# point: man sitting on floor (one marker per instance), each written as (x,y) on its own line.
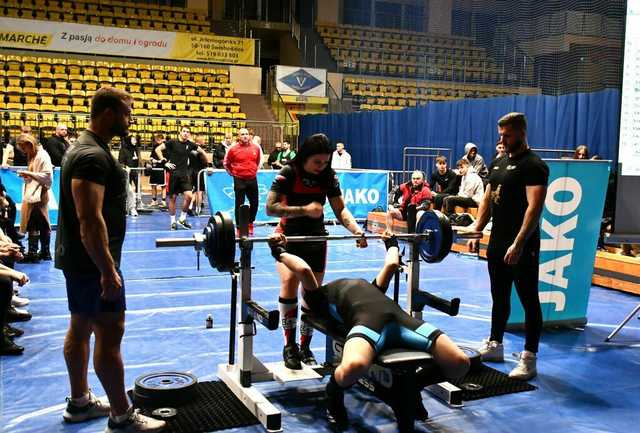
(375,322)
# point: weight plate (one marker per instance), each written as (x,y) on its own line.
(165,412)
(437,246)
(227,248)
(164,389)
(166,381)
(209,242)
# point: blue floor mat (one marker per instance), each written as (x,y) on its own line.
(584,384)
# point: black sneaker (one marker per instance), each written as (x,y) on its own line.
(306,356)
(45,255)
(291,356)
(174,226)
(15,315)
(336,412)
(12,332)
(94,409)
(8,347)
(190,212)
(184,223)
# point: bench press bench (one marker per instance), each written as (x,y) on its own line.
(397,376)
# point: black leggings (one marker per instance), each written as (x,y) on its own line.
(37,222)
(6,293)
(525,277)
(246,188)
(452,201)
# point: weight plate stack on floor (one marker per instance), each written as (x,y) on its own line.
(164,389)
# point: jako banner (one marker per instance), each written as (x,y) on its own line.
(14,183)
(361,192)
(569,230)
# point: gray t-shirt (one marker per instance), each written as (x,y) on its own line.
(90,160)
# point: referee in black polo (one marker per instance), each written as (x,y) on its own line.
(514,198)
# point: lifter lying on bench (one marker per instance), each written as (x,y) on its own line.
(374,323)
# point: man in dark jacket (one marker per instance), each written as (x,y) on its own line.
(57,145)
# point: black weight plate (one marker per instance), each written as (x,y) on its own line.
(208,246)
(227,248)
(474,357)
(437,246)
(165,388)
(468,386)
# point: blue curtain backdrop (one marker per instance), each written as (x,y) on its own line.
(375,139)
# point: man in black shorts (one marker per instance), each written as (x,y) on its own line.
(91,231)
(514,198)
(375,323)
(177,153)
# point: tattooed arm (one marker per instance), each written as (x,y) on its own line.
(276,207)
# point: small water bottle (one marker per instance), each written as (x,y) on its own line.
(209,322)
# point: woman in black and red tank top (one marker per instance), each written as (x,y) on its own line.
(297,196)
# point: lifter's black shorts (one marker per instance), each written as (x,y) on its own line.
(314,253)
(178,184)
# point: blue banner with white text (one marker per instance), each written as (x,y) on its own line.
(569,230)
(361,192)
(14,183)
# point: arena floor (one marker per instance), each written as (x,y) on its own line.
(584,384)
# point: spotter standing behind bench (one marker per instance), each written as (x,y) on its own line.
(375,323)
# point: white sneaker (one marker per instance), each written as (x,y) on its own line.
(96,408)
(492,351)
(133,213)
(526,368)
(17,301)
(135,423)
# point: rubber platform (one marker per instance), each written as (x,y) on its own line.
(214,408)
(491,384)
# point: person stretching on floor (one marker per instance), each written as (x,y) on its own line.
(375,322)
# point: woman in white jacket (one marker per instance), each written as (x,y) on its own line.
(34,217)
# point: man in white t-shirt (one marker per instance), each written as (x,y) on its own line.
(341,158)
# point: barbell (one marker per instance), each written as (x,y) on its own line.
(433,234)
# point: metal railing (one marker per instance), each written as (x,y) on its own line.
(423,159)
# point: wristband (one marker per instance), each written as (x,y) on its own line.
(277,250)
(391,242)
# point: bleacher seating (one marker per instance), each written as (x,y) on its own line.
(113,13)
(390,94)
(44,90)
(389,52)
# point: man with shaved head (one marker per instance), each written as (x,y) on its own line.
(57,145)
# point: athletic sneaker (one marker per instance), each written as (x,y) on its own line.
(306,356)
(174,226)
(96,408)
(526,368)
(135,423)
(291,356)
(17,301)
(492,351)
(184,223)
(133,212)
